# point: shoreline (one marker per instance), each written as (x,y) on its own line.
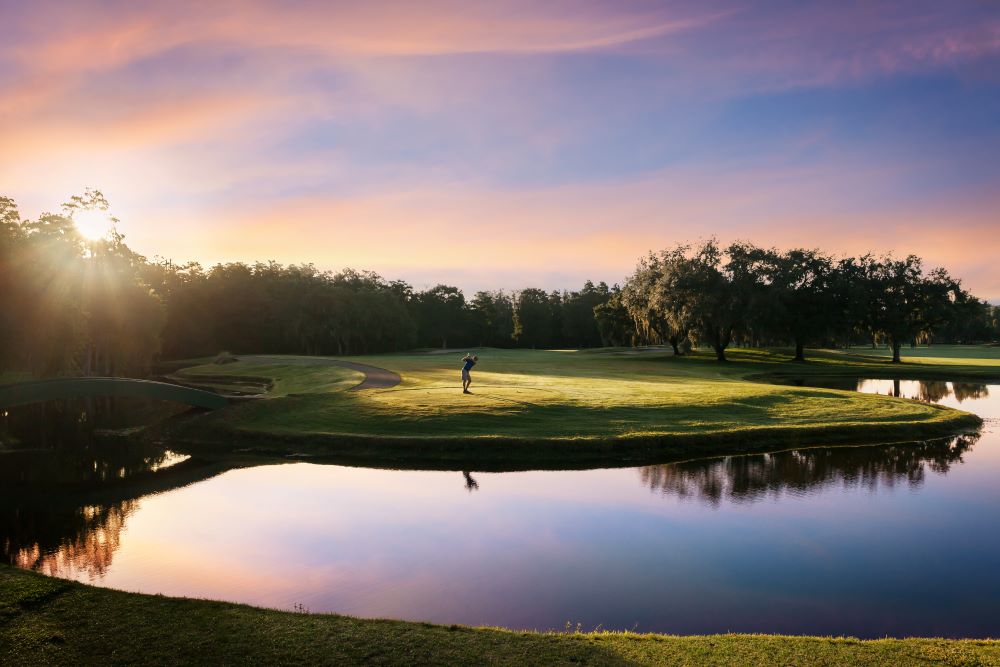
(483,452)
(50,621)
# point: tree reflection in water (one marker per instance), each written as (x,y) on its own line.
(63,529)
(62,511)
(59,511)
(63,541)
(965,391)
(929,391)
(749,479)
(935,391)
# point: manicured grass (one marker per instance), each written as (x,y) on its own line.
(562,405)
(47,621)
(575,399)
(288,378)
(972,354)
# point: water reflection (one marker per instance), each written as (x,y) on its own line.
(470,483)
(63,510)
(45,425)
(811,541)
(61,540)
(748,479)
(75,422)
(929,391)
(87,465)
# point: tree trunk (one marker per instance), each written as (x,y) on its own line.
(800,351)
(673,343)
(722,341)
(895,351)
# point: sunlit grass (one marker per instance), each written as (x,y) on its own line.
(941,354)
(288,378)
(597,395)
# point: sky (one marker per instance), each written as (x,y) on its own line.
(506,144)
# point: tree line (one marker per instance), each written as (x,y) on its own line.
(761,297)
(72,305)
(95,307)
(298,309)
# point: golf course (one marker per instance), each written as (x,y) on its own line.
(572,405)
(565,408)
(500,333)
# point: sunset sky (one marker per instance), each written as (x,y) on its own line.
(508,144)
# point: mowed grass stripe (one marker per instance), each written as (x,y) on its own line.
(602,396)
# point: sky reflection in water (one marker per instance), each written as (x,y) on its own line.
(862,541)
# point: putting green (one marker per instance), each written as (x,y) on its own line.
(614,398)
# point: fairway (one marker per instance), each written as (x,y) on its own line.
(585,397)
(940,354)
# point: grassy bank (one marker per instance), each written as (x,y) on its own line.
(584,406)
(47,621)
(946,354)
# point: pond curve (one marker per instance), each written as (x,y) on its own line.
(894,540)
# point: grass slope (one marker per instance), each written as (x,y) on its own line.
(576,404)
(949,354)
(47,621)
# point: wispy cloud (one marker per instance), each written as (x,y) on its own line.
(563,133)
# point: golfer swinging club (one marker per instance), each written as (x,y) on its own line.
(470,361)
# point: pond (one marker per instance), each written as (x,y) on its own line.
(894,540)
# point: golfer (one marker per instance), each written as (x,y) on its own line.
(470,361)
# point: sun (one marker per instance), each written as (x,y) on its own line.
(92,224)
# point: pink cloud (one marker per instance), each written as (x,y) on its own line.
(78,111)
(594,231)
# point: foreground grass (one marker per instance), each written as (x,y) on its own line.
(561,405)
(47,621)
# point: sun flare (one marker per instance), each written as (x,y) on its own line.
(92,224)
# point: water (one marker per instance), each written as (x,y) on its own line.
(865,541)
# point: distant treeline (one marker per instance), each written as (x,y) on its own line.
(301,310)
(71,305)
(75,306)
(758,297)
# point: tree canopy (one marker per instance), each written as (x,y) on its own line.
(800,297)
(86,304)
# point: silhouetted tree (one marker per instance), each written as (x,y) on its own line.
(614,324)
(579,325)
(533,324)
(903,301)
(491,316)
(795,299)
(705,294)
(440,314)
